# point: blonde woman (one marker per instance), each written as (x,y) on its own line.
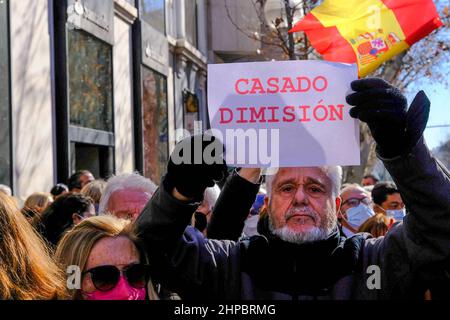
(36,204)
(109,259)
(27,271)
(94,190)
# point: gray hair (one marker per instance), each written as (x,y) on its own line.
(334,173)
(355,186)
(123,182)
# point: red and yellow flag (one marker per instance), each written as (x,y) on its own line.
(368,32)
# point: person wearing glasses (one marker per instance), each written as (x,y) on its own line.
(356,208)
(107,261)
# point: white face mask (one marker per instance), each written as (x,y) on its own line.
(398,215)
(358,215)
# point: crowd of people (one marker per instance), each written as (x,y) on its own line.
(305,236)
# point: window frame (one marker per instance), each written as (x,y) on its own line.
(141,14)
(145,35)
(68,134)
(166,93)
(195,43)
(8,92)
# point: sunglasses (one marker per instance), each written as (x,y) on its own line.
(105,278)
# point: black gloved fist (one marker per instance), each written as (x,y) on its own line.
(396,129)
(195,164)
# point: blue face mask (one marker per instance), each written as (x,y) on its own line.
(358,215)
(398,215)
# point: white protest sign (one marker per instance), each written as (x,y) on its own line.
(284,114)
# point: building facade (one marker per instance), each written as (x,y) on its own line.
(97,85)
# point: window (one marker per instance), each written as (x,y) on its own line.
(5,117)
(153,12)
(97,159)
(90,104)
(84,96)
(155,126)
(90,82)
(190,8)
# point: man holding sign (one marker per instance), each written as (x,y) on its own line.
(301,255)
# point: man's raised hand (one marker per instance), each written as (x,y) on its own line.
(194,165)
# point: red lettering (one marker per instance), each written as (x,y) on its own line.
(222,118)
(257,86)
(305,115)
(260,115)
(273,83)
(274,116)
(324,84)
(288,84)
(320,107)
(236,86)
(300,80)
(242,117)
(289,111)
(335,112)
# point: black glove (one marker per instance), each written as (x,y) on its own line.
(396,129)
(190,172)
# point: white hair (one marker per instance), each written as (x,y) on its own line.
(334,173)
(6,190)
(211,195)
(353,187)
(123,182)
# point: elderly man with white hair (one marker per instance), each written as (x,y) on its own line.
(125,195)
(300,254)
(356,208)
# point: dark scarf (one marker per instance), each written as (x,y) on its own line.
(299,269)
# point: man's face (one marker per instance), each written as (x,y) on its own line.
(369,181)
(128,204)
(352,199)
(89,213)
(393,202)
(302,203)
(85,179)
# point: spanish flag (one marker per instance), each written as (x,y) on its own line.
(368,32)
